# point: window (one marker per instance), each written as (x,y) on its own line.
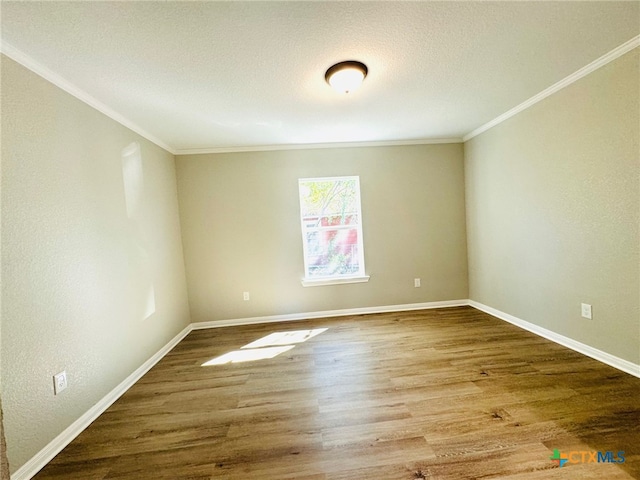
(331,230)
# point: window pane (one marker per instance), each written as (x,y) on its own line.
(331,227)
(350,218)
(332,252)
(331,220)
(328,198)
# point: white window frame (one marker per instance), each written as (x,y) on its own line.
(360,276)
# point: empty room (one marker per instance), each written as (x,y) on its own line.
(320,240)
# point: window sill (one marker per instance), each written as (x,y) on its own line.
(319,282)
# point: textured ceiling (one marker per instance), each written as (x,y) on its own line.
(206,75)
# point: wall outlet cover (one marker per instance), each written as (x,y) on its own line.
(59,382)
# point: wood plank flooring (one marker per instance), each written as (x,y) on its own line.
(436,394)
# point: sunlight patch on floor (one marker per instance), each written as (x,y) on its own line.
(266,347)
(239,356)
(285,338)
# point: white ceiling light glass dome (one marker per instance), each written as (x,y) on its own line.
(345,77)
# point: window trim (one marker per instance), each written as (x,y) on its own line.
(360,276)
(319,282)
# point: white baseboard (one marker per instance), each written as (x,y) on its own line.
(44,456)
(604,357)
(328,313)
(35,464)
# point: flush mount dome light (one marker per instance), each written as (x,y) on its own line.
(346,76)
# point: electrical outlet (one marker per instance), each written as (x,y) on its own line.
(59,382)
(416,282)
(245,296)
(586,311)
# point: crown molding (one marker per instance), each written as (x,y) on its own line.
(565,82)
(44,72)
(39,69)
(29,63)
(312,146)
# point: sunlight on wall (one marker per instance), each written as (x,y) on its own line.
(133,178)
(151,302)
(269,346)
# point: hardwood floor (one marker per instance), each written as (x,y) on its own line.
(436,394)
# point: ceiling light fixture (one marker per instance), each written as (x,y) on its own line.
(345,77)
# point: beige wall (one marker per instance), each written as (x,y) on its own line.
(4,462)
(241,228)
(76,270)
(553,199)
(552,220)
